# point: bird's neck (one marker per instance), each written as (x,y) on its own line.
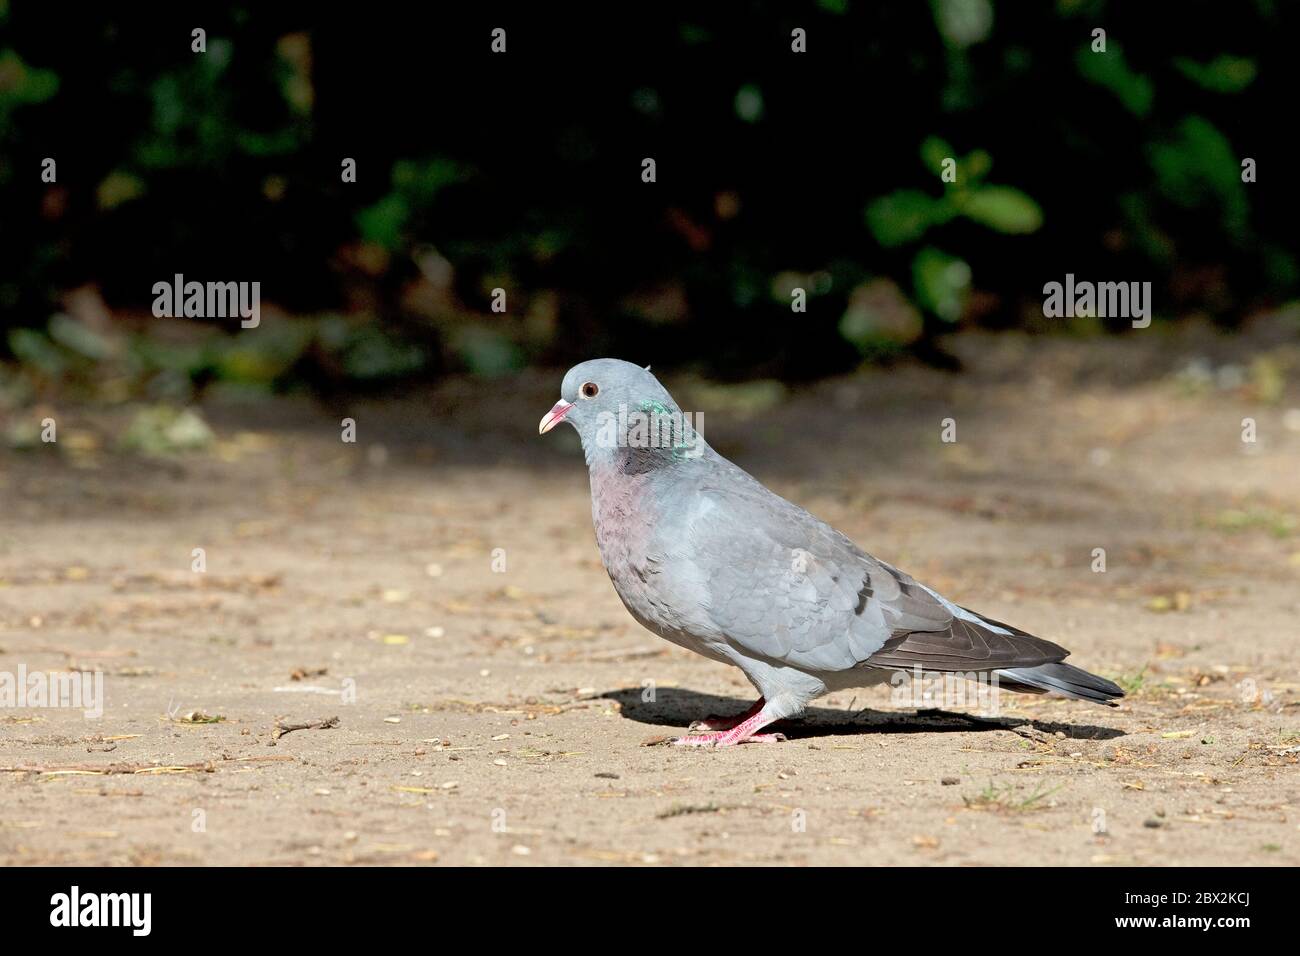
(631,462)
(647,438)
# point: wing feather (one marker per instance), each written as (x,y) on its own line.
(785,586)
(781,584)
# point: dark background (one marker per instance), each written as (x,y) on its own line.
(522,171)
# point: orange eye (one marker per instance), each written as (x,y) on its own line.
(589,390)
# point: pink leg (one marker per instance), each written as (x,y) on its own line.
(727,723)
(742,733)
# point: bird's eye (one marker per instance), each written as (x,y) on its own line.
(589,390)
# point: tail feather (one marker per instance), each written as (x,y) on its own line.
(1063,679)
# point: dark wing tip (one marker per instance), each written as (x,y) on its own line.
(965,646)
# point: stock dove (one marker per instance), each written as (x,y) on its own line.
(705,556)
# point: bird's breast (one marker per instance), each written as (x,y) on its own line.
(627,536)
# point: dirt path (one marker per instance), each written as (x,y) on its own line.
(490,716)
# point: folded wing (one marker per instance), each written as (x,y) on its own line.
(784,586)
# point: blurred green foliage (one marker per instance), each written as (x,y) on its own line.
(777,171)
(1197,168)
(415,185)
(1109,69)
(941,282)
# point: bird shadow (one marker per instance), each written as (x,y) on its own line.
(677,707)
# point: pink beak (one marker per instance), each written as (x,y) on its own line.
(554,416)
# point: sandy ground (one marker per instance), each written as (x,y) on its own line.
(507,716)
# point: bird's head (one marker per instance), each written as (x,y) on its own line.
(616,405)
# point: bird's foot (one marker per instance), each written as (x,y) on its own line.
(727,723)
(718,740)
(743,733)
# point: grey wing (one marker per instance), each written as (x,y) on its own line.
(782,585)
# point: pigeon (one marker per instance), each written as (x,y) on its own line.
(705,556)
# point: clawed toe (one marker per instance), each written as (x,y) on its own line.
(763,739)
(696,740)
(714,723)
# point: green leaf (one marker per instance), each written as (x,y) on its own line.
(79,338)
(20,83)
(422,180)
(384,221)
(36,351)
(118,187)
(1198,167)
(1223,74)
(1110,70)
(934,151)
(942,283)
(1002,208)
(276,143)
(904,216)
(974,167)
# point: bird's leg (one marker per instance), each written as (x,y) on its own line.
(727,723)
(744,732)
